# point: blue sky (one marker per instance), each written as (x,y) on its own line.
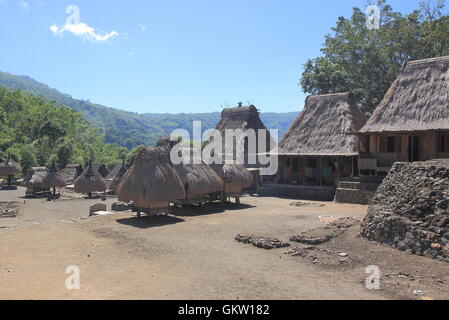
(171,56)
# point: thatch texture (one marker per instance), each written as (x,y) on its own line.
(322,128)
(71,172)
(117,178)
(9,167)
(417,101)
(242,118)
(35,178)
(152,182)
(101,169)
(54,178)
(197,179)
(90,181)
(235,177)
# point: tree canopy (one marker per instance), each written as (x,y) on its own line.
(367,61)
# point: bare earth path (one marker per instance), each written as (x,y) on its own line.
(190,256)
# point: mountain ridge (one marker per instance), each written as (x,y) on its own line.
(126,128)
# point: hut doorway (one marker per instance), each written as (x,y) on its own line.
(413,150)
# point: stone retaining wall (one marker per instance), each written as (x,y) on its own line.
(410,210)
(298,192)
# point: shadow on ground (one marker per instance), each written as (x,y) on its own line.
(146,222)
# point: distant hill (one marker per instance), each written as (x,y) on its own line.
(130,129)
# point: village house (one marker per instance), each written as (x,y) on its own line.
(318,150)
(412,121)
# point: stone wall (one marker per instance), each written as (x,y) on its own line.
(410,210)
(298,192)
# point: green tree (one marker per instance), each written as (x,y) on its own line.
(368,61)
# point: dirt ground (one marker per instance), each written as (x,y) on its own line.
(193,254)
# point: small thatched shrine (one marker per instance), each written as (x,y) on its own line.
(116,175)
(9,168)
(198,179)
(245,118)
(412,121)
(54,178)
(152,182)
(90,181)
(34,181)
(235,177)
(318,149)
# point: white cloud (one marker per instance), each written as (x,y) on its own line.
(24,5)
(84,31)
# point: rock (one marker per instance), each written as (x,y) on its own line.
(262,242)
(120,206)
(97,207)
(417,292)
(343,254)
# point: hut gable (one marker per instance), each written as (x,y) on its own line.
(90,181)
(243,118)
(323,127)
(417,101)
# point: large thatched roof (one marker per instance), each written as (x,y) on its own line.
(152,181)
(417,101)
(118,173)
(243,118)
(9,167)
(90,181)
(322,128)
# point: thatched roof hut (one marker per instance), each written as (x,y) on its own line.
(9,167)
(117,175)
(323,127)
(71,172)
(152,182)
(418,101)
(243,118)
(90,181)
(235,177)
(197,179)
(54,178)
(35,178)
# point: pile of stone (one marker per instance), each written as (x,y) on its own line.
(410,210)
(8,209)
(120,206)
(262,242)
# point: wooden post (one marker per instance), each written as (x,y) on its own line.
(320,173)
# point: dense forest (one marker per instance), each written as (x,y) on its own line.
(34,132)
(127,129)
